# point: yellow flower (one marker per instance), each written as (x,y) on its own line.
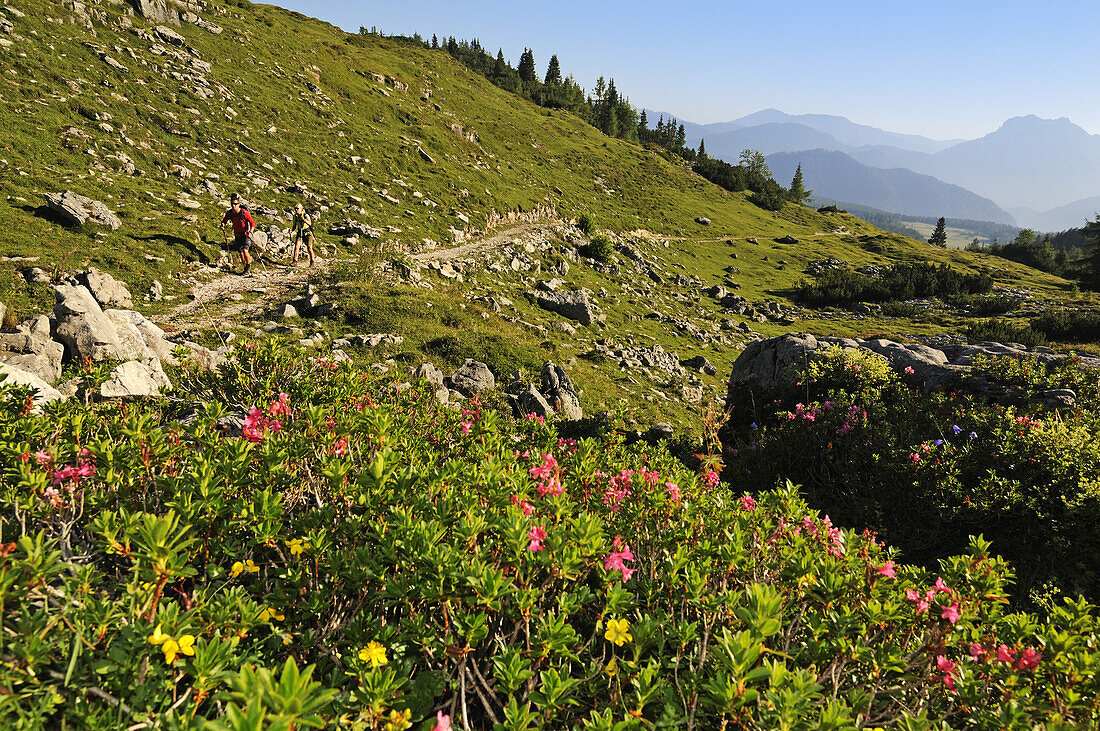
(251,567)
(373,653)
(618,631)
(612,668)
(173,649)
(238,567)
(158,637)
(270,613)
(297,546)
(399,721)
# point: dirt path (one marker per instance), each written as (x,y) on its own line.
(498,239)
(213,303)
(213,300)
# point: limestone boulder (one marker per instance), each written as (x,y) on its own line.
(44,392)
(559,392)
(132,344)
(82,326)
(76,210)
(108,291)
(136,378)
(574,305)
(31,349)
(472,377)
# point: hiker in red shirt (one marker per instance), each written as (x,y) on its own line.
(243,226)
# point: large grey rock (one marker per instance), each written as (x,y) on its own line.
(765,361)
(45,393)
(82,326)
(169,36)
(154,339)
(156,11)
(129,337)
(431,374)
(136,378)
(203,357)
(701,364)
(472,377)
(530,401)
(108,291)
(31,349)
(560,393)
(574,305)
(930,368)
(77,209)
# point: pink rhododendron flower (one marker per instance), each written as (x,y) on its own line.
(43,458)
(1004,654)
(887,570)
(537,535)
(909,370)
(340,448)
(710,478)
(951,613)
(615,560)
(914,458)
(939,586)
(912,595)
(809,525)
(673,491)
(977,652)
(25,457)
(1029,659)
(279,407)
(747,503)
(522,504)
(466,426)
(442,722)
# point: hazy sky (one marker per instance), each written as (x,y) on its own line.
(942,69)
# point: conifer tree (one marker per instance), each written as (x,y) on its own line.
(501,66)
(435,41)
(798,192)
(939,235)
(527,66)
(643,127)
(681,138)
(702,148)
(553,72)
(1092,234)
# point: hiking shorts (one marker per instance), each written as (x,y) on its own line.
(241,242)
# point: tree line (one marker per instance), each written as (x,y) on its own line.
(609,111)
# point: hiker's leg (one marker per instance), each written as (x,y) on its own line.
(309,249)
(294,254)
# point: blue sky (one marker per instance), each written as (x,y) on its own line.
(942,69)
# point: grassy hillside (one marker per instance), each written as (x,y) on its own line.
(281,107)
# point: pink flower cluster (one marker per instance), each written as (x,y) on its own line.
(1028,659)
(852,416)
(673,491)
(569,445)
(537,535)
(522,504)
(340,448)
(710,479)
(258,422)
(924,602)
(747,503)
(615,560)
(549,476)
(618,489)
(67,478)
(833,537)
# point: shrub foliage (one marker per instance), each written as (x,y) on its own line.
(362,557)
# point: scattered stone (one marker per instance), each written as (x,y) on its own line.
(30,349)
(288,311)
(156,11)
(77,210)
(788,239)
(45,393)
(472,377)
(702,220)
(136,378)
(560,393)
(700,364)
(574,305)
(108,291)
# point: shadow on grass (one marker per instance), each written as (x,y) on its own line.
(177,242)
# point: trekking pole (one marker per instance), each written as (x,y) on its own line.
(259,254)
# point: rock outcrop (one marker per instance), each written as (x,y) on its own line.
(574,305)
(76,209)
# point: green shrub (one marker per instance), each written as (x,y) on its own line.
(585,224)
(1003,331)
(898,282)
(985,305)
(364,557)
(1066,326)
(601,249)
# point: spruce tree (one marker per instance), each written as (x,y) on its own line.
(702,148)
(643,128)
(527,66)
(553,72)
(681,138)
(501,66)
(1092,234)
(435,41)
(939,236)
(798,192)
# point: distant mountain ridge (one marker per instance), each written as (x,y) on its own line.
(835,175)
(1045,169)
